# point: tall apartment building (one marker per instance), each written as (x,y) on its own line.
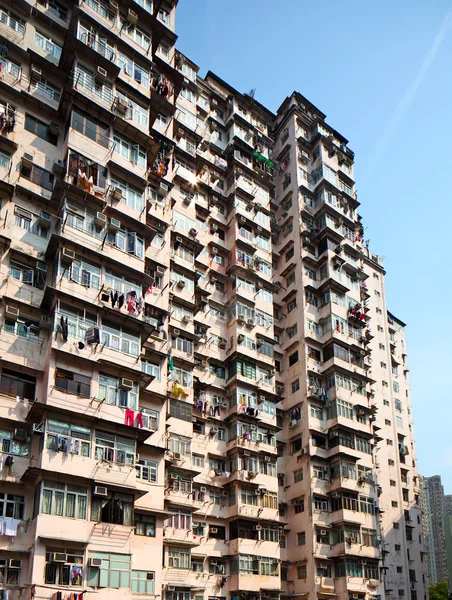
(434,521)
(202,393)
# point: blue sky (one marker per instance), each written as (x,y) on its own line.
(381,72)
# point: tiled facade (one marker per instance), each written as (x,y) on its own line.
(202,393)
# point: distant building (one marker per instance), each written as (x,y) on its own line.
(434,508)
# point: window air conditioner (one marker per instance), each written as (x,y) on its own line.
(44,219)
(45,322)
(213,228)
(100,219)
(116,193)
(114,225)
(27,160)
(323,532)
(20,435)
(14,563)
(101,74)
(213,529)
(203,490)
(95,563)
(180,284)
(121,105)
(160,270)
(12,312)
(193,232)
(58,557)
(214,200)
(267,458)
(132,17)
(126,384)
(58,167)
(176,333)
(258,528)
(214,250)
(100,490)
(68,255)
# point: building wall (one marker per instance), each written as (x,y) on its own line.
(198,364)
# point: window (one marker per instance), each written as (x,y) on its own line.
(298,475)
(178,558)
(91,128)
(131,152)
(111,393)
(73,383)
(301,538)
(295,386)
(147,470)
(22,327)
(44,42)
(142,582)
(180,410)
(394,503)
(68,438)
(40,129)
(291,305)
(47,89)
(133,69)
(69,572)
(17,385)
(63,499)
(29,221)
(26,274)
(131,196)
(292,331)
(114,571)
(293,359)
(114,448)
(12,506)
(290,254)
(9,575)
(11,446)
(117,508)
(302,572)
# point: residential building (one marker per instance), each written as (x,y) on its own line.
(202,392)
(436,509)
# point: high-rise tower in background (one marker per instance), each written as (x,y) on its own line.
(437,510)
(202,392)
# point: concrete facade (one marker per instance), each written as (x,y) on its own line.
(202,392)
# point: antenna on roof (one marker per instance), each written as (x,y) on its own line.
(252,93)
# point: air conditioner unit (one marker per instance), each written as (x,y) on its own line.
(323,532)
(11,312)
(126,384)
(267,458)
(132,17)
(116,194)
(214,429)
(213,529)
(173,476)
(193,232)
(113,5)
(214,102)
(95,563)
(176,333)
(27,160)
(258,528)
(250,321)
(58,167)
(68,255)
(20,435)
(44,219)
(334,434)
(171,588)
(100,490)
(100,219)
(203,490)
(186,318)
(261,399)
(35,73)
(214,200)
(160,270)
(121,105)
(114,225)
(58,557)
(14,563)
(45,322)
(213,227)
(101,74)
(222,344)
(242,219)
(176,455)
(323,566)
(214,250)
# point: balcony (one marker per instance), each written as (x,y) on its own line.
(100,13)
(23,348)
(56,14)
(182,537)
(12,29)
(253,583)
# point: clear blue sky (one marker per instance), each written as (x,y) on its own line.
(382,73)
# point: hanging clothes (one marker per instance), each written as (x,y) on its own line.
(130,417)
(121,300)
(140,420)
